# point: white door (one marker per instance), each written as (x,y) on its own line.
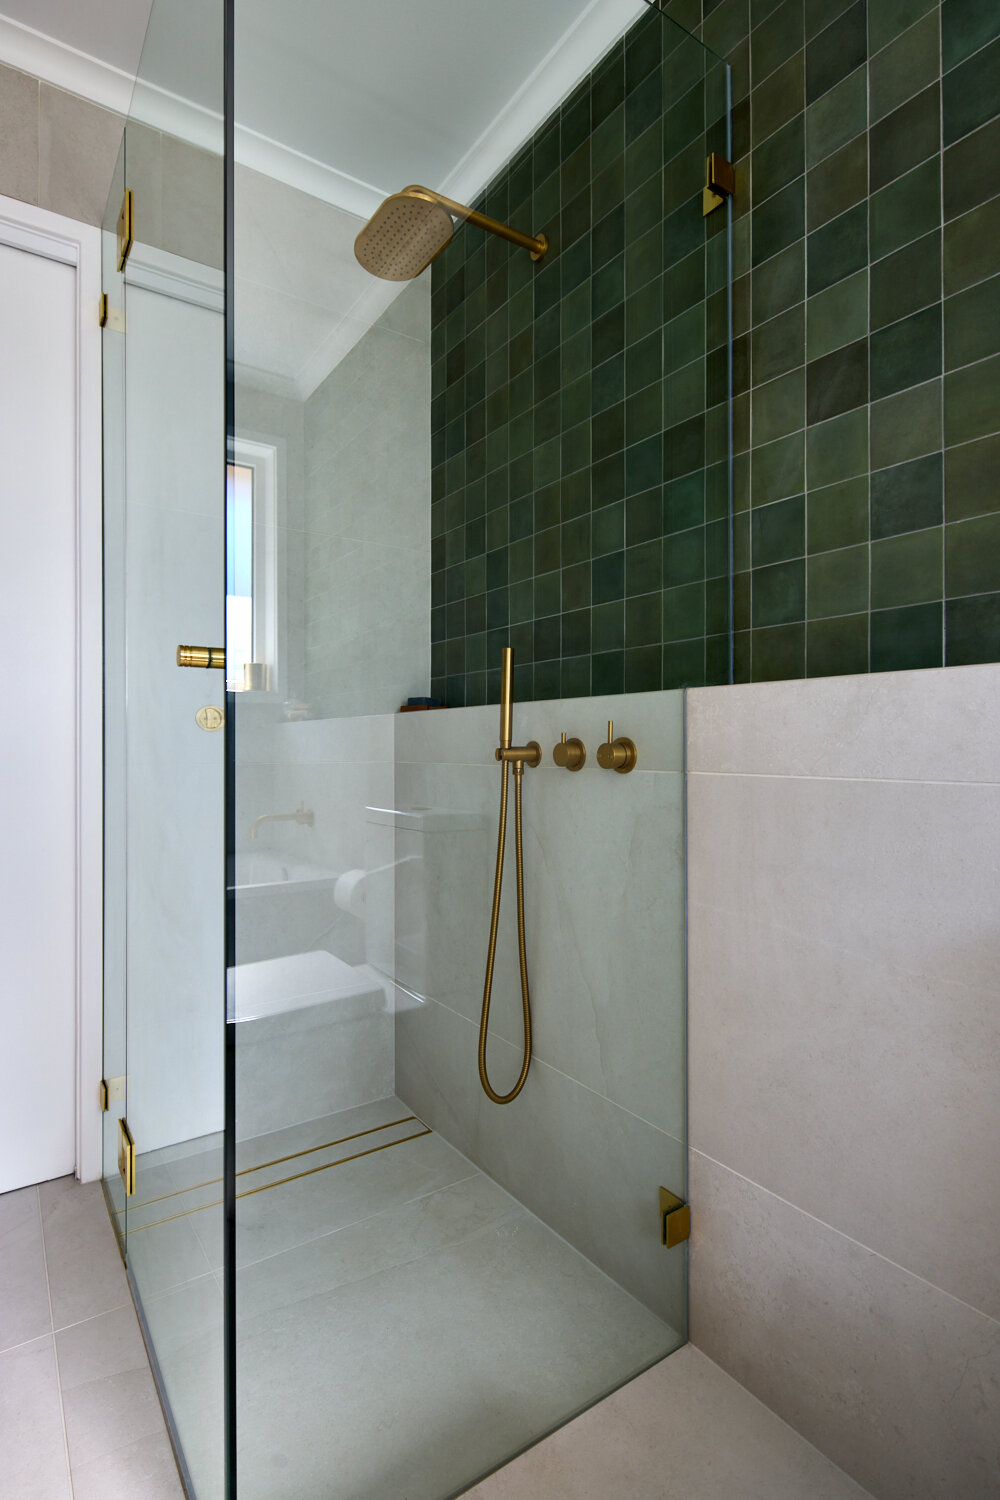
(38,628)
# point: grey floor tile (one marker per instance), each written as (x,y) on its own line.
(143,1470)
(33,1465)
(86,1276)
(682,1431)
(24,1300)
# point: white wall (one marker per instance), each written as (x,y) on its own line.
(844,1004)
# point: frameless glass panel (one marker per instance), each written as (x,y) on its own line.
(498,451)
(165,529)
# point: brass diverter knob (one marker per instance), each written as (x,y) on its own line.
(617,754)
(569,753)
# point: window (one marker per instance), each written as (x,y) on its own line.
(251,592)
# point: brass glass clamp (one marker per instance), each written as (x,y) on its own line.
(570,753)
(201,656)
(617,754)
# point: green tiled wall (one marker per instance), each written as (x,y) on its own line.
(867,331)
(574,402)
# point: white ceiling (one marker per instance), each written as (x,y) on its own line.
(111,30)
(341,100)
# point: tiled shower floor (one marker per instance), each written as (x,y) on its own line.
(404,1325)
(79,1419)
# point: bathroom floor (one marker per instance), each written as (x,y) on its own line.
(403,1323)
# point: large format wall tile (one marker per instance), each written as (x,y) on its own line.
(897,1381)
(914,726)
(844,947)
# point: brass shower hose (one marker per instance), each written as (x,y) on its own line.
(491,951)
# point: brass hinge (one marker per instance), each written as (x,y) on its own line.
(675,1219)
(126,1157)
(125,229)
(720,183)
(110,317)
(111,1091)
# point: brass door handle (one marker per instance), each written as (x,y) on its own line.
(201,656)
(569,753)
(617,754)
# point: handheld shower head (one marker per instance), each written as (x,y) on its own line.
(410,228)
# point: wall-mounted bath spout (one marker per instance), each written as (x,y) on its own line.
(517,756)
(301,815)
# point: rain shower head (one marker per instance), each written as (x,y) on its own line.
(410,228)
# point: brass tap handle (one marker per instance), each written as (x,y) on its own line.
(617,754)
(570,753)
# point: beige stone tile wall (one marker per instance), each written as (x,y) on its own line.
(844,949)
(58,150)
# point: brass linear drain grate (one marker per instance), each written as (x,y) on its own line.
(279,1161)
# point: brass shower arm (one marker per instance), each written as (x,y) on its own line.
(536,245)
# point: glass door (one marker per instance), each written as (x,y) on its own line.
(165,785)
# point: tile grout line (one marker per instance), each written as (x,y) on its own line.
(55,1349)
(843,1235)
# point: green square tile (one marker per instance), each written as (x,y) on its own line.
(971,409)
(777,345)
(684,502)
(779,406)
(887,18)
(548,593)
(838,182)
(908,569)
(837,647)
(837,51)
(906,497)
(908,136)
(838,249)
(778,469)
(777,38)
(908,64)
(779,160)
(969,95)
(906,639)
(778,531)
(837,515)
(972,324)
(643,620)
(574,677)
(684,612)
(837,117)
(906,353)
(779,593)
(906,425)
(838,315)
(972,630)
(608,672)
(684,557)
(779,654)
(643,567)
(779,221)
(906,209)
(778,98)
(967,26)
(972,170)
(643,668)
(972,556)
(607,626)
(838,382)
(837,449)
(972,247)
(607,577)
(683,664)
(837,582)
(906,281)
(608,528)
(779,284)
(970,477)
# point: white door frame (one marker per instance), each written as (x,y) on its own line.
(40,232)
